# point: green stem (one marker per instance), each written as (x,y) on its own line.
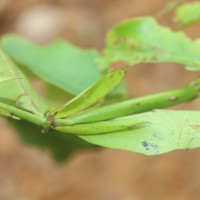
(138,105)
(30,117)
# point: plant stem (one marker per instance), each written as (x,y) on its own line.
(30,117)
(138,105)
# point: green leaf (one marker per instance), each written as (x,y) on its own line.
(188,13)
(163,131)
(61,145)
(142,40)
(91,95)
(16,90)
(59,63)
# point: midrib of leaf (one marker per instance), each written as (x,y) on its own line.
(19,82)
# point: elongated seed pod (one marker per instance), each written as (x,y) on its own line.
(102,127)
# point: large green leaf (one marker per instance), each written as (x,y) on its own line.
(142,40)
(91,95)
(162,131)
(188,13)
(17,91)
(59,63)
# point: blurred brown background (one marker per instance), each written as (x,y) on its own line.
(27,173)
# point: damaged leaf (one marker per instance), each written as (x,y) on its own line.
(143,40)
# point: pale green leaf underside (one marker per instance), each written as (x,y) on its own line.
(188,13)
(59,63)
(142,40)
(162,132)
(91,95)
(15,88)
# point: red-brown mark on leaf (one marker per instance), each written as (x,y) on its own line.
(173,98)
(154,47)
(137,104)
(155,58)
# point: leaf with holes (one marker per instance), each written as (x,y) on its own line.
(142,40)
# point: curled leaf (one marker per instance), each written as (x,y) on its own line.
(15,88)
